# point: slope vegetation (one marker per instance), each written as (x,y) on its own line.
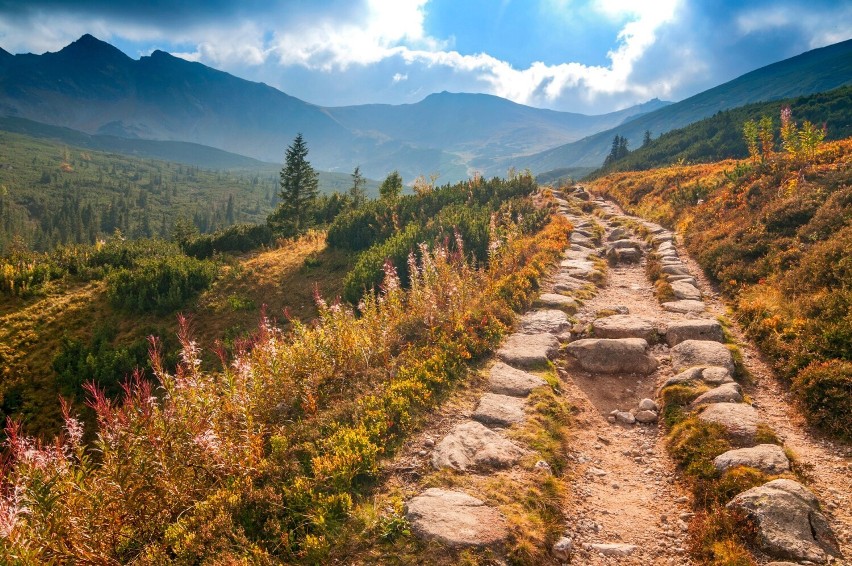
(815,71)
(775,236)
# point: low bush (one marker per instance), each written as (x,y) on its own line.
(825,391)
(237,238)
(159,285)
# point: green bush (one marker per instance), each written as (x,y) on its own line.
(237,238)
(159,285)
(825,391)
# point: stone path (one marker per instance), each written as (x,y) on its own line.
(627,505)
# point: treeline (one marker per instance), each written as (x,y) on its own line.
(720,136)
(52,195)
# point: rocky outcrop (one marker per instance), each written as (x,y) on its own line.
(788,520)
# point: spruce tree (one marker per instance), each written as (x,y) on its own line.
(357,194)
(299,189)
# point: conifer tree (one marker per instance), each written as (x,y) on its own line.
(299,189)
(391,187)
(357,194)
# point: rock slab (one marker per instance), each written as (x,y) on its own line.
(546,320)
(624,326)
(472,446)
(554,300)
(768,458)
(696,329)
(455,519)
(691,353)
(500,410)
(684,307)
(739,419)
(528,350)
(503,379)
(727,393)
(789,522)
(613,355)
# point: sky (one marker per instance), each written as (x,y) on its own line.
(589,56)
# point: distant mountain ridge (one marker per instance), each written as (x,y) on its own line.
(818,70)
(95,88)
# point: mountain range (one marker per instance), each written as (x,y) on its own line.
(95,89)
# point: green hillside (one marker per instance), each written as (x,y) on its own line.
(721,136)
(53,191)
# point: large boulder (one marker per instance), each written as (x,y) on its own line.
(694,329)
(455,519)
(768,458)
(691,353)
(546,320)
(472,446)
(738,419)
(500,410)
(529,350)
(620,355)
(788,520)
(503,379)
(624,326)
(727,393)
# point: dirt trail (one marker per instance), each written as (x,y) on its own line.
(624,488)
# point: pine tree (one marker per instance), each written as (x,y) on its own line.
(357,193)
(391,187)
(299,189)
(647,139)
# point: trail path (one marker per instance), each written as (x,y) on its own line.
(627,502)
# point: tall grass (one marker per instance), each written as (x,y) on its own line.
(261,462)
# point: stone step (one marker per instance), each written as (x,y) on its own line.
(455,519)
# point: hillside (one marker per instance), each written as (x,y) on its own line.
(721,136)
(92,87)
(775,237)
(819,70)
(53,192)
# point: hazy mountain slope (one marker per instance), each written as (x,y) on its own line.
(814,71)
(93,87)
(478,124)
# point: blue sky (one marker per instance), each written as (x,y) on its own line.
(589,56)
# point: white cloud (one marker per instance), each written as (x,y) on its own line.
(399,77)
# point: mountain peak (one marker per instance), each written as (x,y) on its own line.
(90,46)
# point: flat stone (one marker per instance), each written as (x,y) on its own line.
(472,446)
(455,519)
(620,355)
(684,291)
(674,270)
(691,353)
(624,326)
(685,278)
(684,307)
(623,417)
(503,379)
(562,548)
(528,350)
(625,255)
(554,300)
(564,283)
(709,375)
(789,522)
(625,244)
(694,329)
(740,420)
(768,458)
(546,320)
(500,410)
(614,549)
(727,393)
(581,240)
(646,417)
(617,233)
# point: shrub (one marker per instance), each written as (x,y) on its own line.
(824,390)
(159,284)
(237,238)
